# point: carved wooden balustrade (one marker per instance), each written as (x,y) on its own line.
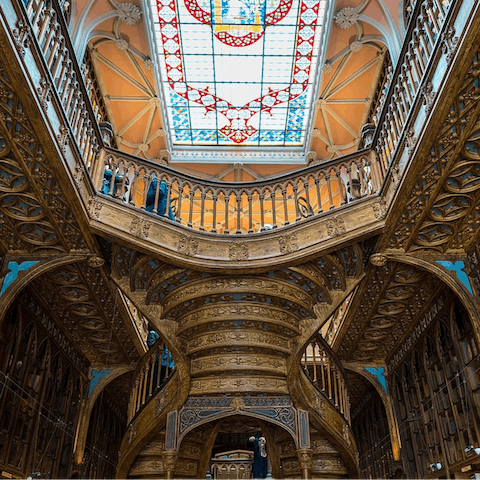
(237,208)
(48,27)
(426,23)
(153,372)
(326,373)
(242,208)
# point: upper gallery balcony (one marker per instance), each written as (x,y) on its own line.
(337,193)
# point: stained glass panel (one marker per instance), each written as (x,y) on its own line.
(238,72)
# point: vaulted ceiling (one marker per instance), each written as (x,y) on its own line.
(361,37)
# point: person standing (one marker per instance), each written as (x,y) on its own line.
(260,461)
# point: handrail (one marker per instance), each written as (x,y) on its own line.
(405,84)
(326,373)
(151,375)
(49,29)
(237,208)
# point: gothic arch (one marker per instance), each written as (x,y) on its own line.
(458,288)
(22,280)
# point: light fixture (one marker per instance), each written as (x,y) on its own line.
(435,466)
(471,448)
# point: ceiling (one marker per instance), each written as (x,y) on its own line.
(358,37)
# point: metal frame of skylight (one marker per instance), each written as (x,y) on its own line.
(239,154)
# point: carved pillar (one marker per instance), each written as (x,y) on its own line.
(169,459)
(367,134)
(305,459)
(107,133)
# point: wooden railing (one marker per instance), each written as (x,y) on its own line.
(326,373)
(48,27)
(152,374)
(237,208)
(405,85)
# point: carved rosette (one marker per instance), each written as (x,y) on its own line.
(347,17)
(335,227)
(188,246)
(288,243)
(128,13)
(140,228)
(238,251)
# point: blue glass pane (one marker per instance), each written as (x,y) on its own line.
(238,72)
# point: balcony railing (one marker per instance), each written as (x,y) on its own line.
(48,27)
(327,374)
(153,372)
(405,85)
(240,208)
(237,208)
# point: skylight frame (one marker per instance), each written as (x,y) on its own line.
(229,154)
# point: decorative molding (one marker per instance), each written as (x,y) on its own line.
(95,261)
(380,209)
(222,285)
(305,458)
(247,312)
(122,44)
(239,361)
(378,259)
(188,245)
(22,36)
(428,96)
(200,409)
(44,93)
(326,68)
(395,172)
(210,340)
(63,138)
(335,227)
(238,251)
(148,64)
(132,433)
(79,173)
(239,384)
(449,44)
(162,401)
(411,140)
(140,228)
(288,243)
(94,207)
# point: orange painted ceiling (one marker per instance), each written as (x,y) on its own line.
(360,34)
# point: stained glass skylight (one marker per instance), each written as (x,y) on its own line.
(238,72)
